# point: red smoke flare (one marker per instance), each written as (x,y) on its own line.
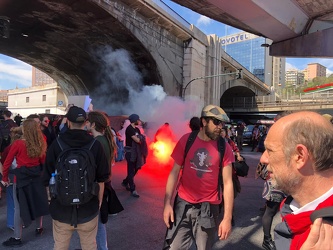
(161,148)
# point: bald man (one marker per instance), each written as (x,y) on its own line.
(299,157)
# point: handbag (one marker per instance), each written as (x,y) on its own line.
(241,167)
(237,185)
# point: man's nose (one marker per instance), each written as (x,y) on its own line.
(264,157)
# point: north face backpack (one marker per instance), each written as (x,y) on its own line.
(75,175)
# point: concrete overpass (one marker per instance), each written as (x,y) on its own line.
(298,28)
(317,101)
(71,40)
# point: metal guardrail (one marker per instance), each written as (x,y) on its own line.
(264,102)
(171,12)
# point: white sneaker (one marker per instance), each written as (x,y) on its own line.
(135,194)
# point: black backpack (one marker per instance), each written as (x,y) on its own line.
(75,175)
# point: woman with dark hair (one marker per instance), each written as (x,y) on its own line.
(98,125)
(29,152)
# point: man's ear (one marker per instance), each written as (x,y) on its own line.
(204,121)
(301,155)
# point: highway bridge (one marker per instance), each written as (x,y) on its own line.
(251,109)
(86,46)
(298,28)
(82,43)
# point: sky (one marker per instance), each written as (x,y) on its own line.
(15,73)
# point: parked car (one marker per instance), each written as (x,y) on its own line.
(247,134)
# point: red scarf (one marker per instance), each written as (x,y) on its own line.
(300,224)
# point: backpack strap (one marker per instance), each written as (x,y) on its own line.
(190,142)
(90,144)
(325,213)
(221,149)
(63,146)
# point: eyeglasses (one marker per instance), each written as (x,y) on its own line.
(216,122)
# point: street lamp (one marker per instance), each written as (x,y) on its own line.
(238,73)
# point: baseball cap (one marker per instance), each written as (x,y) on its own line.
(215,112)
(133,118)
(76,114)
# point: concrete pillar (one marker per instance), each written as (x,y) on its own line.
(214,68)
(194,67)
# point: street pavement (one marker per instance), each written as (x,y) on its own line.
(140,226)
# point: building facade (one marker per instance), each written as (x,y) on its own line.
(315,70)
(3,99)
(252,52)
(47,98)
(39,78)
(294,78)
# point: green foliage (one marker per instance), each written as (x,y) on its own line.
(296,90)
(315,82)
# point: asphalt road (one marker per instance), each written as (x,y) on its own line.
(140,226)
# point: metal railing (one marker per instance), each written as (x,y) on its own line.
(260,102)
(171,12)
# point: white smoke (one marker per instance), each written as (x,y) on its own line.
(122,92)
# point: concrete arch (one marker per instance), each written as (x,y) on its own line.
(61,37)
(235,92)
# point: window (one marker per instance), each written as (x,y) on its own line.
(44,98)
(27,99)
(47,111)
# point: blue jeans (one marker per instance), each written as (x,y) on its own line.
(101,237)
(10,206)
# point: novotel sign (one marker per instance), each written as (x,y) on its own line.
(236,38)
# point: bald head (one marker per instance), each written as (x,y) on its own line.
(309,129)
(312,117)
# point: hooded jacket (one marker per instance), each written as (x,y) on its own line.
(76,138)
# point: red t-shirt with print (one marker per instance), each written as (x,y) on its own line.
(199,179)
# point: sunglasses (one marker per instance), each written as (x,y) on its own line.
(216,122)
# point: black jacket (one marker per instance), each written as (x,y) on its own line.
(31,193)
(139,152)
(76,138)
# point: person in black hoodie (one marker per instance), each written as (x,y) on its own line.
(5,126)
(86,214)
(47,129)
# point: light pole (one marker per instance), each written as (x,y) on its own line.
(238,73)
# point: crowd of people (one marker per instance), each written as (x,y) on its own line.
(296,165)
(30,160)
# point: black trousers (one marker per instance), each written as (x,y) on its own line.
(267,219)
(131,172)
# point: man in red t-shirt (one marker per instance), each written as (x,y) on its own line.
(198,196)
